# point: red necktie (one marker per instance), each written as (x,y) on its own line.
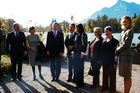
(54,34)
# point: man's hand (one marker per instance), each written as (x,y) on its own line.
(99,62)
(61,54)
(34,49)
(70,47)
(48,53)
(115,66)
(82,56)
(25,53)
(116,58)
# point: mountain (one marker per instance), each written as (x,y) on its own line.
(118,10)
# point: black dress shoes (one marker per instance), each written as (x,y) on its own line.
(73,81)
(57,80)
(14,79)
(79,86)
(69,80)
(92,86)
(19,78)
(53,79)
(41,77)
(34,78)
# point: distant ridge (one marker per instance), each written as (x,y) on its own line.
(118,10)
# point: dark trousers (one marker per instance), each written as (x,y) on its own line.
(96,72)
(55,67)
(70,67)
(0,65)
(109,78)
(79,70)
(0,61)
(16,61)
(96,80)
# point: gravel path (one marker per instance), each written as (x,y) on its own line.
(27,85)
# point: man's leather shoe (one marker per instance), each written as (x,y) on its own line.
(57,80)
(69,80)
(14,79)
(92,86)
(53,79)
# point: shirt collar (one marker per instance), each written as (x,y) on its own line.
(109,39)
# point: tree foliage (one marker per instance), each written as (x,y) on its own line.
(103,21)
(6,24)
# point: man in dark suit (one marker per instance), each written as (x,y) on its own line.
(69,42)
(55,49)
(16,49)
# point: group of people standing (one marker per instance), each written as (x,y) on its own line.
(107,52)
(102,52)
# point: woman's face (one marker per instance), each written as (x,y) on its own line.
(77,29)
(32,31)
(108,33)
(96,33)
(125,23)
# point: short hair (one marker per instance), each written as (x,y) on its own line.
(31,28)
(99,29)
(15,24)
(127,18)
(109,28)
(55,23)
(72,25)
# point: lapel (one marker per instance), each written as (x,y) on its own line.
(13,35)
(57,34)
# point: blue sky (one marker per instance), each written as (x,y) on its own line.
(41,12)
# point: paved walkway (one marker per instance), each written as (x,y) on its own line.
(27,85)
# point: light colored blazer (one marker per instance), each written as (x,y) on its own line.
(124,47)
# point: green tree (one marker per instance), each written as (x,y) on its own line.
(137,24)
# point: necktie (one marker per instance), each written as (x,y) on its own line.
(54,34)
(16,34)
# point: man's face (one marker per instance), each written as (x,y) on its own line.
(55,27)
(16,27)
(72,28)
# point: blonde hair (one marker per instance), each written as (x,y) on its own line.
(98,29)
(130,22)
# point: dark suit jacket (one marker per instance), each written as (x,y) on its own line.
(97,50)
(55,45)
(80,43)
(109,52)
(16,45)
(69,42)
